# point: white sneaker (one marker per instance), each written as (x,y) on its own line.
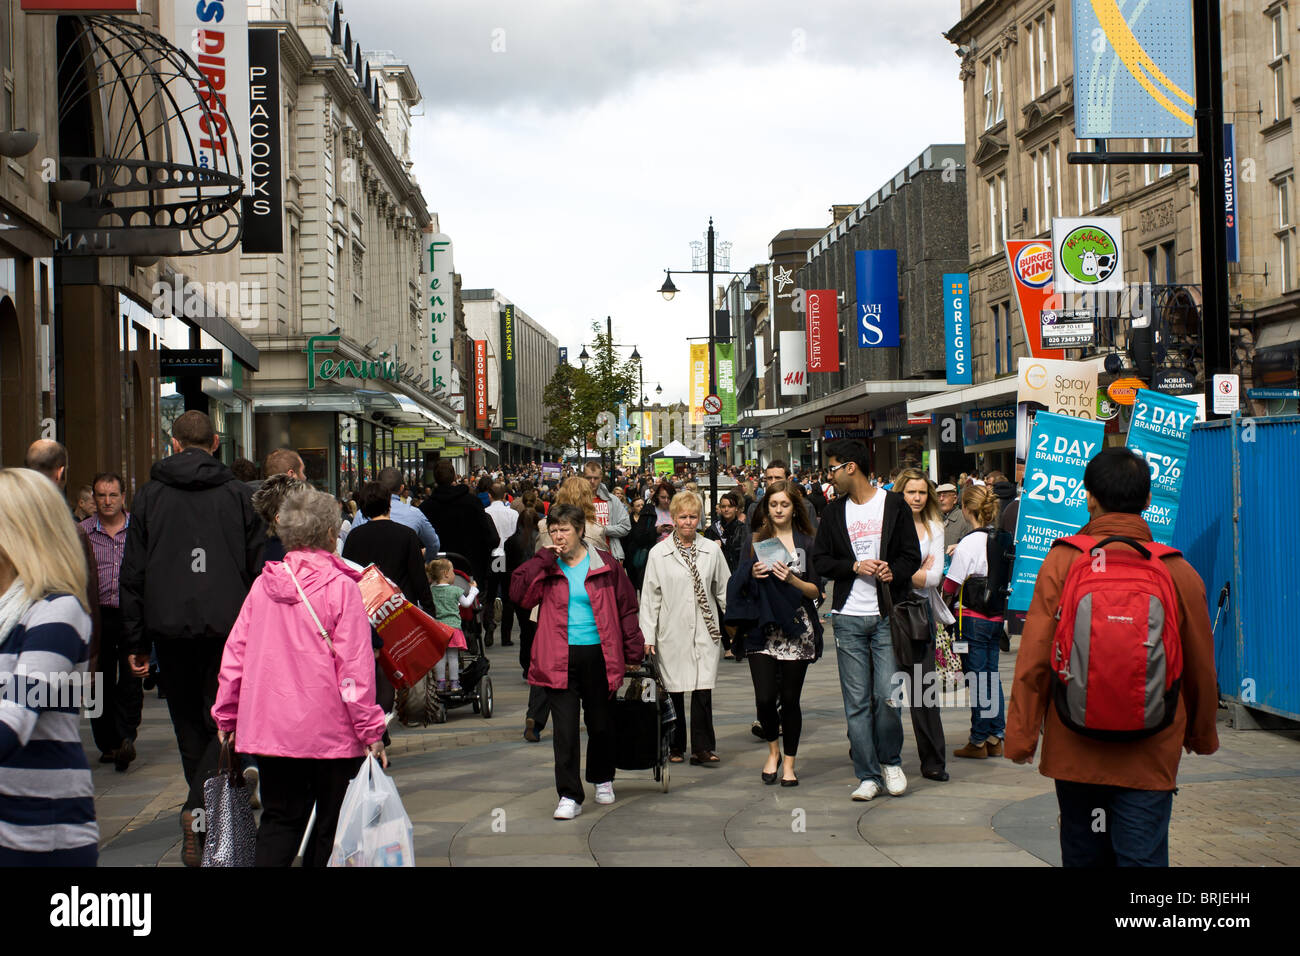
(567,809)
(605,792)
(895,782)
(867,790)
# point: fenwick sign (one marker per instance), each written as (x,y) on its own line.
(342,368)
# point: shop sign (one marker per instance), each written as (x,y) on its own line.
(264,202)
(1030,263)
(480,384)
(453,451)
(834,434)
(405,433)
(434,441)
(794,363)
(957,328)
(340,369)
(1124,391)
(984,427)
(823,330)
(842,420)
(441,275)
(116,7)
(509,393)
(1088,254)
(876,272)
(1067,329)
(1174,381)
(215,35)
(174,362)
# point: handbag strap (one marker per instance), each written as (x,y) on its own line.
(320,628)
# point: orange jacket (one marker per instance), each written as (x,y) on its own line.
(1147,764)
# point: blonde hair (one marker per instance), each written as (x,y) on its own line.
(38,538)
(930,513)
(685,499)
(980,501)
(439,569)
(577,491)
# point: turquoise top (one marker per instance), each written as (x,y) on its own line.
(582,619)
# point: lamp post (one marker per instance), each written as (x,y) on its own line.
(668,290)
(610,345)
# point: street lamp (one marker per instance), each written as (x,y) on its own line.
(668,290)
(583,357)
(640,418)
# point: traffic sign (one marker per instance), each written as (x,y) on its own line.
(712,405)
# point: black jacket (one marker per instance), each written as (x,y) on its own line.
(735,539)
(192,551)
(833,556)
(463,526)
(396,550)
(753,603)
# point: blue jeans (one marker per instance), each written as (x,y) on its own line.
(1113,826)
(865,652)
(982,662)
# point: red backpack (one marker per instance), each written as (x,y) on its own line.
(1117,653)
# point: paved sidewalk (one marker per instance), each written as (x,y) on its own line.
(478,794)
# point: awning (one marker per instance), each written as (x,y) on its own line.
(854,400)
(1279,334)
(969,396)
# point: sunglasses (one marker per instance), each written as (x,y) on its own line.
(835,468)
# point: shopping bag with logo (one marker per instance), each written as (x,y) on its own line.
(373,828)
(947,664)
(232,832)
(413,641)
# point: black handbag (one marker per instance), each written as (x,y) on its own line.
(909,625)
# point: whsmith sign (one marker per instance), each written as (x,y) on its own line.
(340,369)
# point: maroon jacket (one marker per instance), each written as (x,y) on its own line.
(539,581)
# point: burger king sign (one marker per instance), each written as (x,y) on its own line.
(1031,264)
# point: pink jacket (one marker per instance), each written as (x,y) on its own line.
(539,582)
(280,689)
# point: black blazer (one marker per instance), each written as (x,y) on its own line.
(833,556)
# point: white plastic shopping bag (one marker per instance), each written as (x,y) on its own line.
(373,828)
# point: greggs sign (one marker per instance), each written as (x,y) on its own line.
(823,330)
(1031,265)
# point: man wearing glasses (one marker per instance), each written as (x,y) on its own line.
(867,542)
(776,470)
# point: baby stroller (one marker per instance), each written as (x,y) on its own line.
(423,704)
(643,720)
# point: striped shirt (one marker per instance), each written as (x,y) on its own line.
(108,549)
(47,797)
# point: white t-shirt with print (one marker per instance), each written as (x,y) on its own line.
(865,525)
(971,558)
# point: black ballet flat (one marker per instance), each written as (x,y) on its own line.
(790,783)
(769,778)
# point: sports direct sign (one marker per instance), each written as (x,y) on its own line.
(215,34)
(1030,262)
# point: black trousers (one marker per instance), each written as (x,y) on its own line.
(702,739)
(779,680)
(188,670)
(927,722)
(290,785)
(498,586)
(527,631)
(588,685)
(121,693)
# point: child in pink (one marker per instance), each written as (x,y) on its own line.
(447,602)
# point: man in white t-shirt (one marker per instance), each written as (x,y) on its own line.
(867,542)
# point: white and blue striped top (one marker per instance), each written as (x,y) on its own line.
(47,797)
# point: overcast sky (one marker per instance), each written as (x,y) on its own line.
(574,148)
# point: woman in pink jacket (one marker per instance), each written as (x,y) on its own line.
(302,701)
(587,635)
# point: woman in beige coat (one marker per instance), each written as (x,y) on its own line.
(682,602)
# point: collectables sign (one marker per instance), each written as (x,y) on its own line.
(823,330)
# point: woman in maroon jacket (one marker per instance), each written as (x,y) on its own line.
(586,638)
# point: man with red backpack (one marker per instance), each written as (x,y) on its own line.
(1118,657)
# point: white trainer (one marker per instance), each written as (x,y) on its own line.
(895,781)
(567,809)
(605,792)
(867,790)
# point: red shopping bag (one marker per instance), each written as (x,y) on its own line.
(413,641)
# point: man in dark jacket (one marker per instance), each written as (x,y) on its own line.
(462,523)
(866,543)
(192,551)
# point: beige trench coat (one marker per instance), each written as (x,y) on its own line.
(672,622)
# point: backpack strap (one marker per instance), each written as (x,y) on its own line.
(1162,550)
(1082,542)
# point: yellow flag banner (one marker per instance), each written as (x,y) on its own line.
(699,382)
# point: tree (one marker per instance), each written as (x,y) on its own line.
(576,397)
(566,421)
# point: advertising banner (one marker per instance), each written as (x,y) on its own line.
(877,285)
(1059,387)
(1067,329)
(1054,502)
(1030,262)
(956,323)
(726,381)
(1161,433)
(509,395)
(699,378)
(984,428)
(480,384)
(1088,254)
(441,323)
(1230,191)
(664,466)
(264,201)
(1134,73)
(215,35)
(794,364)
(551,470)
(823,307)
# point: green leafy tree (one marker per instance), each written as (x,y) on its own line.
(576,397)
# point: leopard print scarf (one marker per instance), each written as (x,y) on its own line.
(689,555)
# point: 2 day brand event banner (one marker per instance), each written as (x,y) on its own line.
(1161,433)
(1030,262)
(1054,503)
(956,320)
(877,284)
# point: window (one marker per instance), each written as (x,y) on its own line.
(1152,261)
(1047,199)
(1277,65)
(1169,252)
(1002,189)
(1104,190)
(1042,54)
(996,190)
(997,64)
(1285,232)
(1152,173)
(8,118)
(997,342)
(1283,191)
(990,110)
(994,107)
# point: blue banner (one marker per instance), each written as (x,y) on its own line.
(1230,191)
(956,319)
(877,283)
(1161,433)
(1054,503)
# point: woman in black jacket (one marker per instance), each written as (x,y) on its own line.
(521,546)
(654,525)
(774,607)
(730,531)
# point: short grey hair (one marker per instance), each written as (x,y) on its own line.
(309,519)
